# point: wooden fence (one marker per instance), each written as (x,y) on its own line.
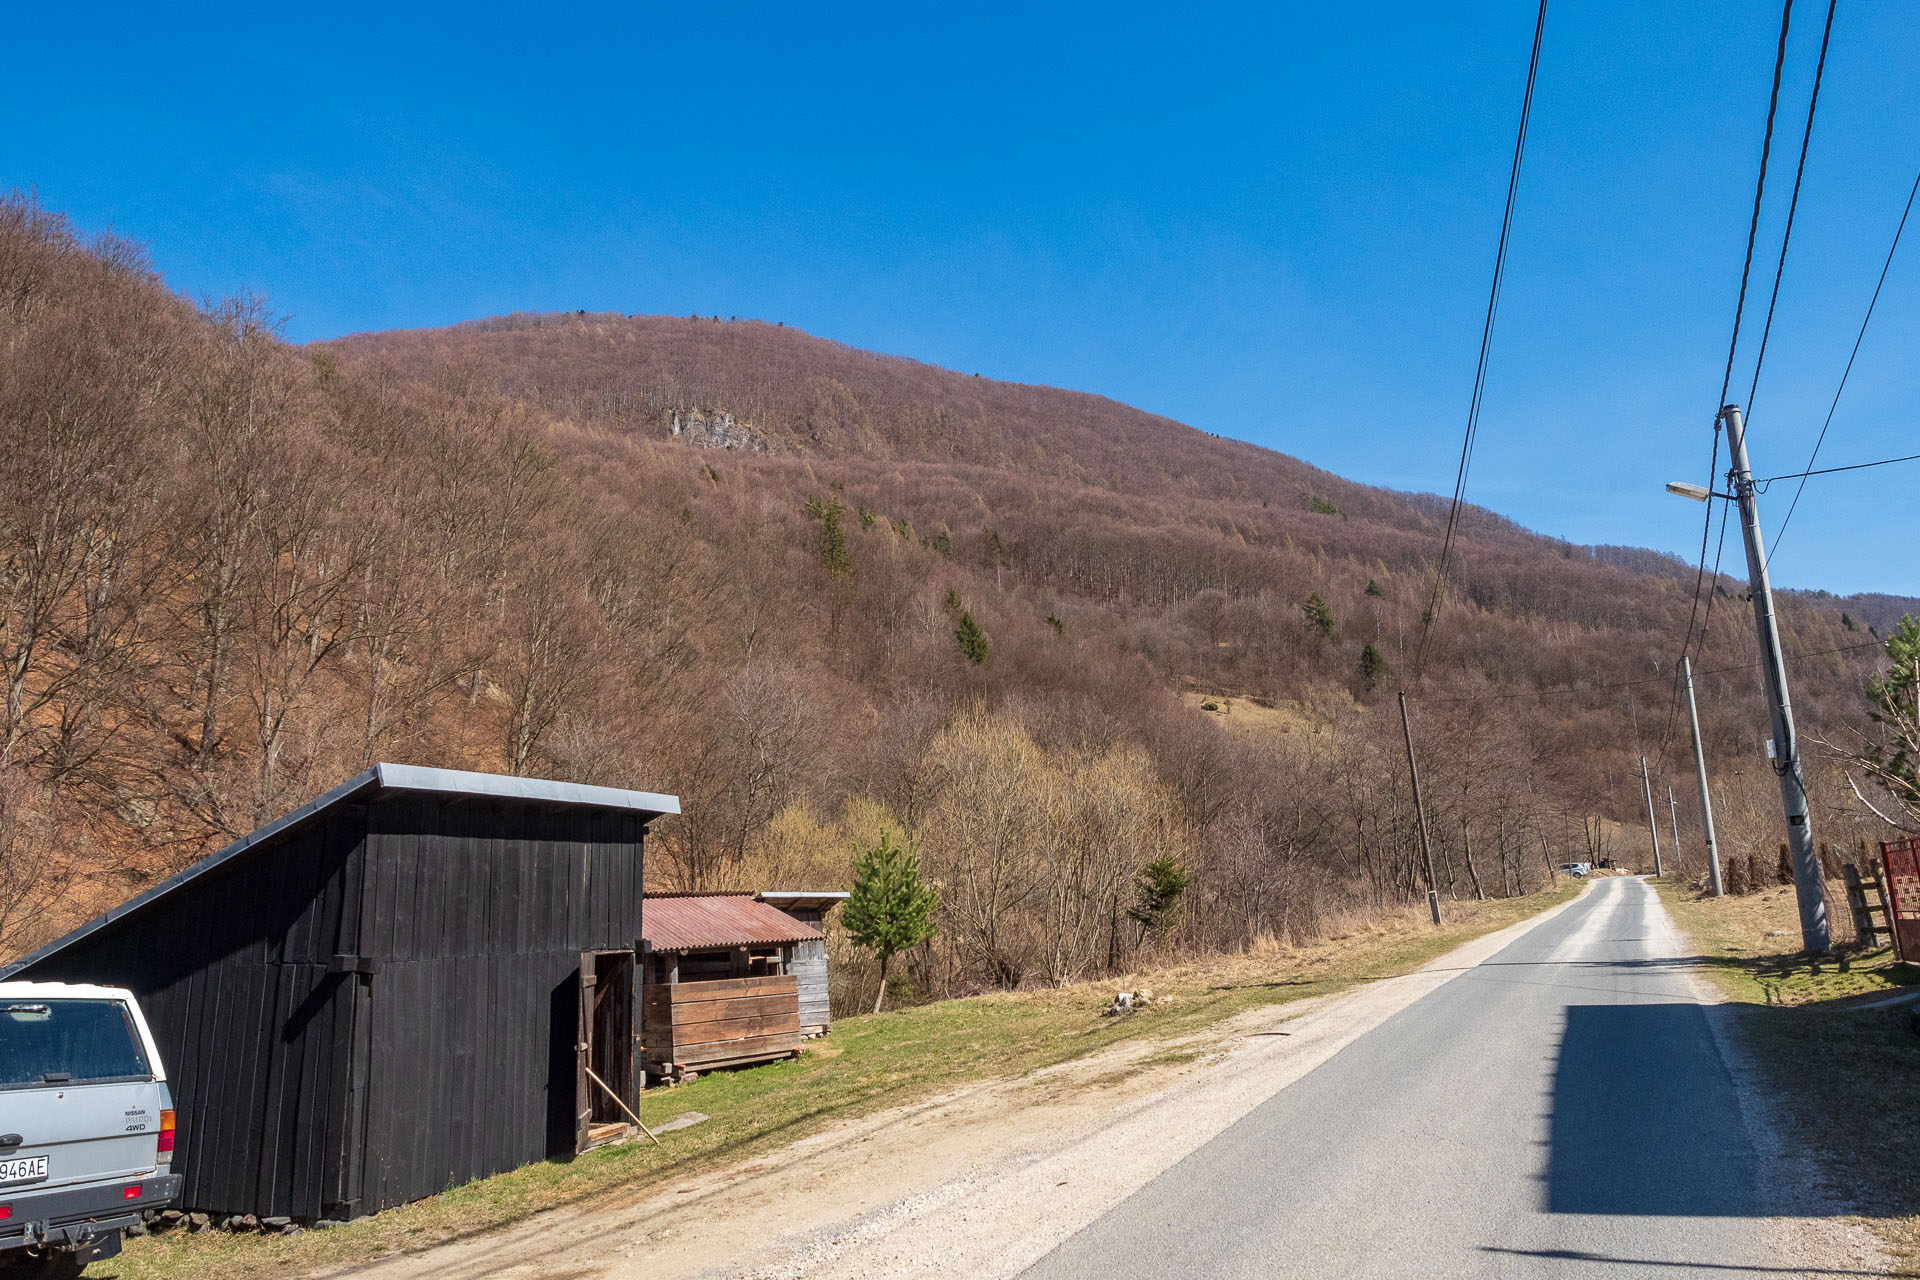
(696,1026)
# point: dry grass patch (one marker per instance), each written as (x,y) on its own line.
(1245,716)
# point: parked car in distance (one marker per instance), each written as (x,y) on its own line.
(86,1125)
(1577,869)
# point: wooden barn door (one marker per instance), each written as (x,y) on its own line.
(604,1048)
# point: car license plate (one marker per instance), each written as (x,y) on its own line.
(23,1169)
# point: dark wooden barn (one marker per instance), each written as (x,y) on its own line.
(422,977)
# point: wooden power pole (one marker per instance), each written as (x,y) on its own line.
(1419,810)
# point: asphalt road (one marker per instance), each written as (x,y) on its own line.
(1559,1110)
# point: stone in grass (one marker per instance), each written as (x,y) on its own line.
(198,1222)
(324,1224)
(136,1228)
(685,1120)
(275,1224)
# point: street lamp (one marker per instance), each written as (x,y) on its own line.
(1793,791)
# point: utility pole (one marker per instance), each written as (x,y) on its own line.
(1673,817)
(1706,801)
(1419,810)
(1786,747)
(1653,823)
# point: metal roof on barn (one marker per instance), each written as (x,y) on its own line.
(381,779)
(683,923)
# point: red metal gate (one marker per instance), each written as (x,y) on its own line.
(1901,859)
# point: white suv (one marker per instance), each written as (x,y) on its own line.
(86,1125)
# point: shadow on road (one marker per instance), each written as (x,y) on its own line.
(1579,1255)
(1646,1119)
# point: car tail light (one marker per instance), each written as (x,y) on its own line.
(130,1192)
(6,1211)
(166,1134)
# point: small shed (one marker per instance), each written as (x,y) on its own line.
(809,958)
(720,990)
(422,977)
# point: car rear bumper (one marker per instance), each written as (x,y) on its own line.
(74,1217)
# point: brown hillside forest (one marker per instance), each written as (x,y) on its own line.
(818,594)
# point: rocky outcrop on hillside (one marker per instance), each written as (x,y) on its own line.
(717,430)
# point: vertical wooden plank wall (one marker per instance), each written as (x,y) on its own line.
(475,1006)
(231,971)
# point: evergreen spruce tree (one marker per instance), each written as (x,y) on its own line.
(833,541)
(972,640)
(1156,894)
(1318,614)
(833,538)
(890,908)
(1373,589)
(1372,666)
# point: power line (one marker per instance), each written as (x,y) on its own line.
(1847,372)
(1828,471)
(1793,206)
(1706,623)
(1625,684)
(1759,191)
(1699,576)
(1726,381)
(1486,343)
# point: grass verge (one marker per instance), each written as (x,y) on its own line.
(866,1064)
(1848,1076)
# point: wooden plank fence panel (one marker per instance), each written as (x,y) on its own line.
(733,1049)
(747,1006)
(688,992)
(705,1033)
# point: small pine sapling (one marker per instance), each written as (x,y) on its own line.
(890,908)
(1157,891)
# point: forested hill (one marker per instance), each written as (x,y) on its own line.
(817,594)
(754,387)
(791,393)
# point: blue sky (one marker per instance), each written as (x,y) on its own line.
(1271,221)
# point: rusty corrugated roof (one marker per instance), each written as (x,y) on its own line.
(725,920)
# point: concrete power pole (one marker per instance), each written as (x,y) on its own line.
(1786,747)
(1673,817)
(1706,800)
(1420,811)
(1653,823)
